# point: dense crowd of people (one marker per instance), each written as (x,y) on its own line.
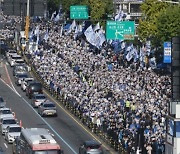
(126,100)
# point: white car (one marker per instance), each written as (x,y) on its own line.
(5,122)
(24,83)
(10,52)
(12,132)
(6,112)
(14,58)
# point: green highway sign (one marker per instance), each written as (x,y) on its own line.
(79,12)
(120,30)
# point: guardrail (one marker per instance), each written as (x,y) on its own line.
(104,136)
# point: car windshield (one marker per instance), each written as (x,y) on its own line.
(20,69)
(20,62)
(16,57)
(15,129)
(22,76)
(49,105)
(40,97)
(9,121)
(93,146)
(6,112)
(1,99)
(47,152)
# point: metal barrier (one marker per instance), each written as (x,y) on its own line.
(84,119)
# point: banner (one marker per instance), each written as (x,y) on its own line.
(167,52)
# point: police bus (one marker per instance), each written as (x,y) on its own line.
(36,141)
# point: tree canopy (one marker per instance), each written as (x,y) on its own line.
(98,9)
(160,21)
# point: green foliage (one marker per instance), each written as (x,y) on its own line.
(168,24)
(151,10)
(98,9)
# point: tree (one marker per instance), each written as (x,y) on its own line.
(98,9)
(151,9)
(168,23)
(53,5)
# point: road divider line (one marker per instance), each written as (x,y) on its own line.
(5,145)
(11,81)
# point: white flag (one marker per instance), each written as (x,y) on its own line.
(53,15)
(90,35)
(57,18)
(61,30)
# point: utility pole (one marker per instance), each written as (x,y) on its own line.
(23,10)
(27,21)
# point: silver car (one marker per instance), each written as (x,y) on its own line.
(12,132)
(47,108)
(5,122)
(6,113)
(24,83)
(37,99)
(91,147)
(2,102)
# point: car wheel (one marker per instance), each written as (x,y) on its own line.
(42,115)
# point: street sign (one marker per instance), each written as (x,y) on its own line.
(79,12)
(167,52)
(120,30)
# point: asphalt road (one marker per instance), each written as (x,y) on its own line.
(67,130)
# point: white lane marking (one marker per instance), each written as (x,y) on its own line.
(59,136)
(5,145)
(7,63)
(7,85)
(11,81)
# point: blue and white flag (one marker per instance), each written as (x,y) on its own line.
(90,35)
(130,54)
(119,16)
(36,31)
(148,47)
(136,55)
(46,36)
(57,18)
(61,31)
(53,15)
(123,45)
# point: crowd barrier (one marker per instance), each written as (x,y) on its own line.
(104,136)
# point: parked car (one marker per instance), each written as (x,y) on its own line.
(20,77)
(2,102)
(91,147)
(37,99)
(12,132)
(33,88)
(6,113)
(47,108)
(19,69)
(25,82)
(5,122)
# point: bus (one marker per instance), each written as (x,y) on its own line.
(36,141)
